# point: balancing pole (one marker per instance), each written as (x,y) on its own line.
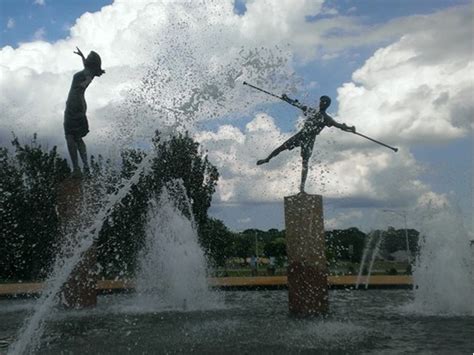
(297,104)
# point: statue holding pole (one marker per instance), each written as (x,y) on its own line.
(316,121)
(304,218)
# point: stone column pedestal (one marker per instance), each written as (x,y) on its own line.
(305,244)
(80,289)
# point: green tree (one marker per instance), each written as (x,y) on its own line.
(395,240)
(217,240)
(181,158)
(276,248)
(243,245)
(29,222)
(345,244)
(178,158)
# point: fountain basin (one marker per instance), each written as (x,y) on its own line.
(257,321)
(261,282)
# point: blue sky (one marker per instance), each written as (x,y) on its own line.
(446,164)
(55,17)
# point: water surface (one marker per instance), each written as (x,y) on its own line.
(370,322)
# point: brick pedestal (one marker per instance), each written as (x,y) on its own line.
(305,243)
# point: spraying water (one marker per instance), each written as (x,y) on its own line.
(365,255)
(178,84)
(442,273)
(370,250)
(375,253)
(185,82)
(30,334)
(173,268)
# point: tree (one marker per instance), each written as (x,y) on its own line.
(178,158)
(395,240)
(346,244)
(29,222)
(216,240)
(243,245)
(277,249)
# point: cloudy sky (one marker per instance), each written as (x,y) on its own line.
(400,71)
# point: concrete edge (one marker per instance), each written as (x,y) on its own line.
(31,290)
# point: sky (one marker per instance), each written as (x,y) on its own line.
(399,71)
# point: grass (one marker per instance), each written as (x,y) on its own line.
(381,267)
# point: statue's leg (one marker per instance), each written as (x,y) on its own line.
(306,151)
(72,148)
(83,152)
(272,154)
(304,173)
(277,151)
(288,145)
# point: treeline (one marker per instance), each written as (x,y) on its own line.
(341,244)
(30,180)
(31,233)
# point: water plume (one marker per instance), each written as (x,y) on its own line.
(443,269)
(173,268)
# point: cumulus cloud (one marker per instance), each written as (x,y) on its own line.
(170,61)
(176,55)
(416,89)
(343,220)
(39,2)
(350,176)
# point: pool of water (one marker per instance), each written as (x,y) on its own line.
(371,322)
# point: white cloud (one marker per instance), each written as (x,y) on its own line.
(412,90)
(191,42)
(343,219)
(417,89)
(183,55)
(39,2)
(193,56)
(361,176)
(10,23)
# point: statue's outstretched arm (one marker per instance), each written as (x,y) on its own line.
(79,53)
(343,126)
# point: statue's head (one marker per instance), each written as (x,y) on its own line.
(324,102)
(94,63)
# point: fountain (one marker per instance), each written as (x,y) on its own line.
(172,274)
(31,332)
(443,270)
(373,251)
(173,309)
(206,95)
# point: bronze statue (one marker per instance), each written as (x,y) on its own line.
(305,138)
(76,125)
(314,124)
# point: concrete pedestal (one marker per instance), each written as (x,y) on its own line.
(305,244)
(80,289)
